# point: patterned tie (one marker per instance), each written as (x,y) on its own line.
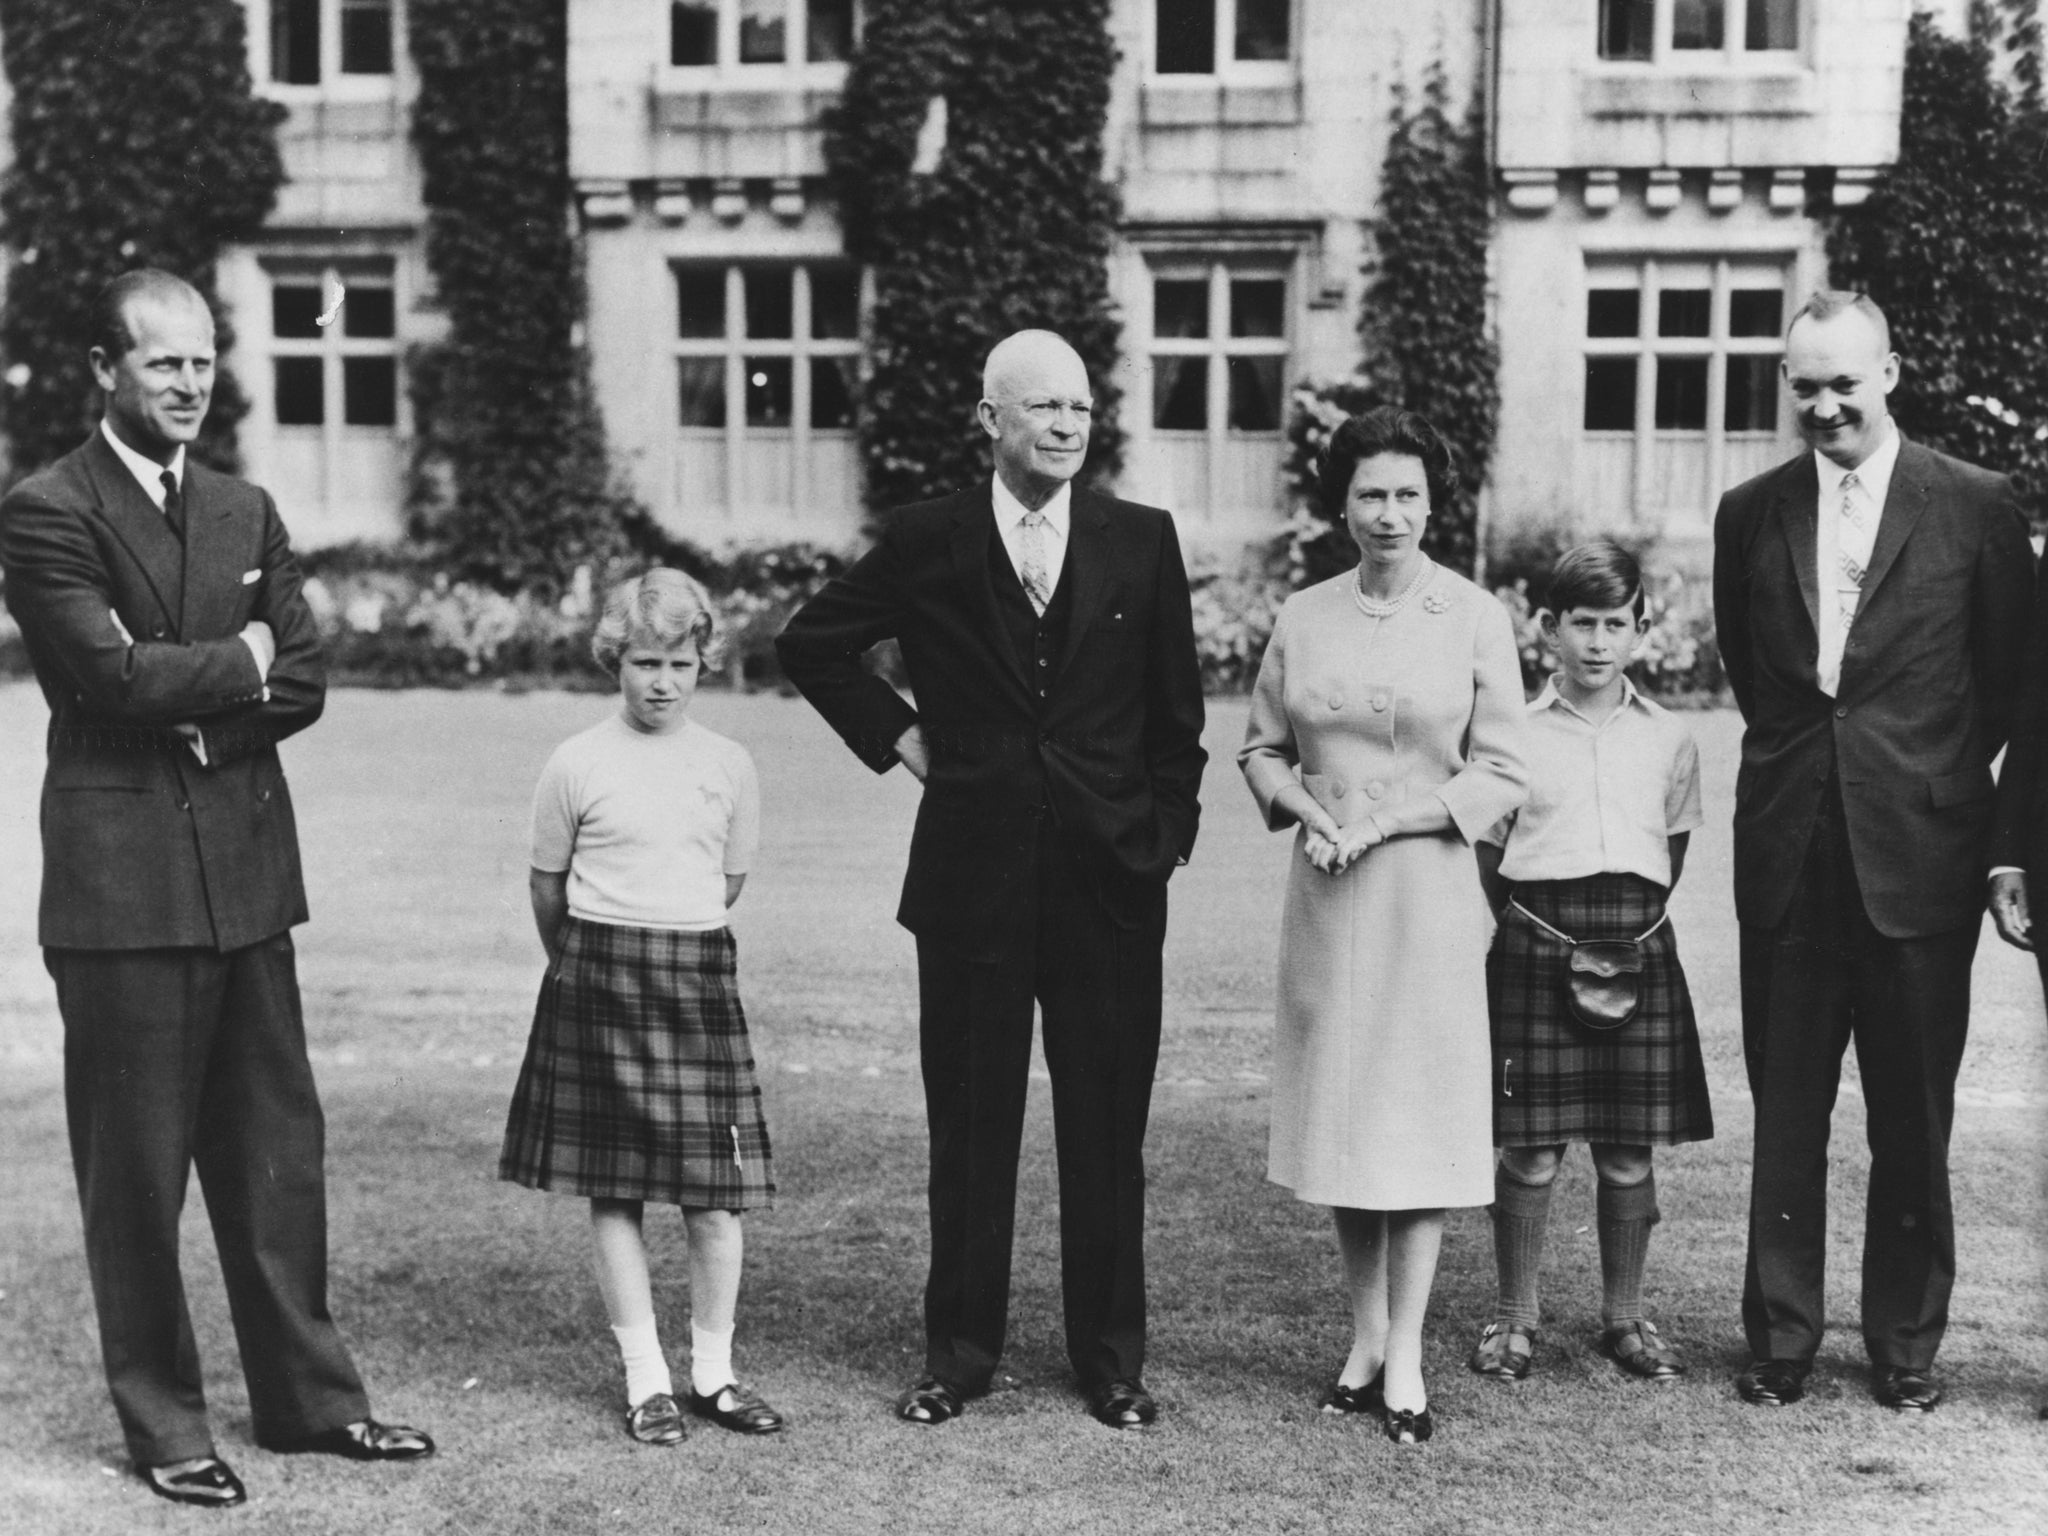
(174,504)
(1849,589)
(1031,542)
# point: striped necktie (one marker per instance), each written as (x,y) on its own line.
(1031,545)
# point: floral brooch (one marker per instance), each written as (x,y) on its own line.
(1435,602)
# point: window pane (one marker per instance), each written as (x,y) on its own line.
(301,399)
(366,37)
(1613,312)
(1180,393)
(1626,27)
(764,29)
(828,31)
(1682,394)
(1255,393)
(1685,312)
(1258,307)
(768,391)
(769,310)
(1610,394)
(1772,24)
(1180,307)
(832,382)
(369,391)
(700,302)
(1262,28)
(1187,36)
(1755,311)
(703,391)
(835,303)
(295,42)
(1752,394)
(369,312)
(295,311)
(1698,23)
(693,32)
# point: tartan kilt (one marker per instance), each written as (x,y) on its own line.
(639,1082)
(1554,1080)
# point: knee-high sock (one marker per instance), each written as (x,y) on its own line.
(1626,1214)
(1521,1213)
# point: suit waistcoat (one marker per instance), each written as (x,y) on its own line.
(1037,639)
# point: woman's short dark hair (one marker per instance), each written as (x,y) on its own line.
(1384,429)
(1598,574)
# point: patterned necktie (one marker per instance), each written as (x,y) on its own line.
(174,504)
(1849,588)
(1031,544)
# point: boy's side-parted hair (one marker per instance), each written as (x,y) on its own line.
(1596,574)
(661,605)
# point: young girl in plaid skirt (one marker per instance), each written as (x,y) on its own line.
(639,1079)
(1614,795)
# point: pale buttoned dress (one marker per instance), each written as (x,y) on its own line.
(1380,1093)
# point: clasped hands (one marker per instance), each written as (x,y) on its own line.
(1334,849)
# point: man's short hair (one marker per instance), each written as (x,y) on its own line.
(1596,575)
(110,333)
(1826,303)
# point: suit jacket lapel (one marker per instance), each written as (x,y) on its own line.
(974,524)
(140,526)
(1904,502)
(209,586)
(1798,517)
(1087,568)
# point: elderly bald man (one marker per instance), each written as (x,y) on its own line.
(1057,732)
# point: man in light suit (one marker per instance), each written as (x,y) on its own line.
(1872,600)
(1057,731)
(161,609)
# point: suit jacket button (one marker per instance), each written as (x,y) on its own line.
(157,633)
(184,805)
(1841,711)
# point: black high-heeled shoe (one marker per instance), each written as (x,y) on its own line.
(1409,1426)
(1370,1398)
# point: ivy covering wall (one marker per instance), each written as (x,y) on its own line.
(1009,226)
(511,481)
(1953,244)
(138,141)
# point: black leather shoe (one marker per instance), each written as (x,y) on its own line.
(364,1440)
(208,1483)
(928,1401)
(1409,1426)
(1772,1383)
(656,1420)
(732,1407)
(1370,1398)
(1122,1403)
(1906,1389)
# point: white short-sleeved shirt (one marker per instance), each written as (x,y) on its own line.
(1603,799)
(647,826)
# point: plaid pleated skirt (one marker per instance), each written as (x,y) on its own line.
(639,1082)
(1555,1080)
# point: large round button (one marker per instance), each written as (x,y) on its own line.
(1338,788)
(1375,789)
(1336,701)
(1841,711)
(1379,702)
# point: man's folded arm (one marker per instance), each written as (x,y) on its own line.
(295,687)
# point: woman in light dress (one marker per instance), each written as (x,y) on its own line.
(1387,724)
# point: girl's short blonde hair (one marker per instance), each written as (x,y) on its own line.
(663,606)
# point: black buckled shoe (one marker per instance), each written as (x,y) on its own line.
(733,1407)
(1370,1398)
(364,1440)
(207,1482)
(1409,1426)
(656,1420)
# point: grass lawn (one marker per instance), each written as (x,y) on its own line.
(470,1306)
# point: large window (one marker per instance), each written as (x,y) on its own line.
(1206,37)
(314,41)
(708,34)
(1218,351)
(1681,382)
(767,370)
(1691,31)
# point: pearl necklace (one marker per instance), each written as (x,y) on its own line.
(1386,608)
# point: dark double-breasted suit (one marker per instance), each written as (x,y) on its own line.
(1065,759)
(169,890)
(1861,833)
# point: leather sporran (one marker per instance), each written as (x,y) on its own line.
(1604,981)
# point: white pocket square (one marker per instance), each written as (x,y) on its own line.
(250,578)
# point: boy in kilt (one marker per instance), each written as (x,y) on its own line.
(639,1082)
(1592,1041)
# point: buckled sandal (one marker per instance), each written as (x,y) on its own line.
(1498,1355)
(1641,1351)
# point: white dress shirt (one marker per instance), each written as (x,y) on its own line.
(1010,515)
(1836,537)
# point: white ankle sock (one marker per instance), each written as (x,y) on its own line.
(710,1359)
(646,1366)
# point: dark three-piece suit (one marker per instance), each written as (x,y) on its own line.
(1065,759)
(169,891)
